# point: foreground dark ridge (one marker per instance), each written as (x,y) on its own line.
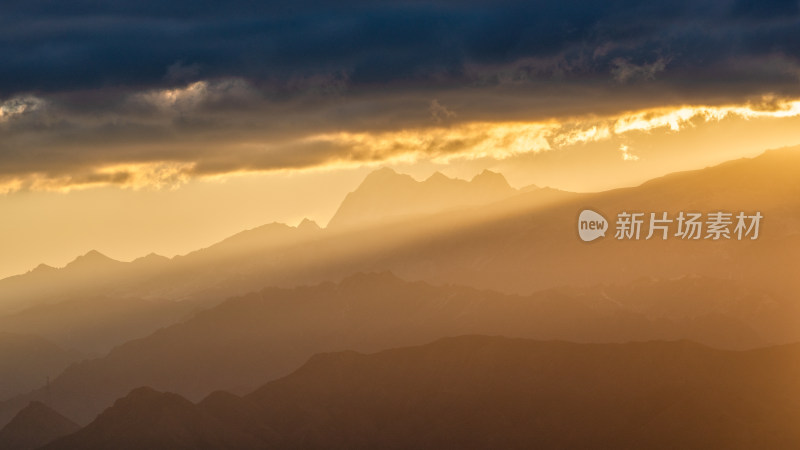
(484,392)
(34,426)
(246,341)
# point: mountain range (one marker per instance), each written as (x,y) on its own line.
(512,266)
(483,392)
(236,265)
(27,361)
(265,335)
(521,243)
(34,426)
(386,196)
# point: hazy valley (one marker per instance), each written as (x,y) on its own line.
(476,258)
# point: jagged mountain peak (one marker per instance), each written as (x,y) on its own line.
(43,268)
(308,225)
(151,258)
(386,195)
(438,177)
(92,259)
(490,178)
(386,175)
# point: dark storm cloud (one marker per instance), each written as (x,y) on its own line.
(52,46)
(88,83)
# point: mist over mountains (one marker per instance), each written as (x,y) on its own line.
(400,225)
(518,244)
(384,201)
(27,361)
(264,335)
(404,263)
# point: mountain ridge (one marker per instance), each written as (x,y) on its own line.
(488,392)
(276,330)
(386,195)
(35,426)
(786,154)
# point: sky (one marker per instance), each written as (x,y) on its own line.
(133,127)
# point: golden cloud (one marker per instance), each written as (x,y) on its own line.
(474,140)
(150,175)
(438,143)
(503,140)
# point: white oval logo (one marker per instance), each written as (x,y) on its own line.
(591,225)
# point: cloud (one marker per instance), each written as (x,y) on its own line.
(178,71)
(197,94)
(152,175)
(624,70)
(765,8)
(473,140)
(129,44)
(160,138)
(439,112)
(19,105)
(179,98)
(572,137)
(626,153)
(205,89)
(677,118)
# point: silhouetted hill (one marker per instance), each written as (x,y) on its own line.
(245,341)
(150,261)
(240,414)
(146,419)
(93,261)
(385,195)
(484,392)
(26,361)
(35,426)
(492,392)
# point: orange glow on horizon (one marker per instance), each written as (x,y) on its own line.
(436,144)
